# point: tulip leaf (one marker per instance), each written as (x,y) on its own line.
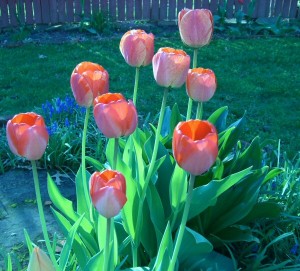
(206,195)
(8,263)
(95,262)
(165,129)
(28,242)
(218,118)
(272,174)
(65,253)
(175,118)
(137,269)
(80,250)
(140,164)
(193,243)
(95,163)
(83,197)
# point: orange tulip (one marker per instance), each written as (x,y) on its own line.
(39,261)
(137,47)
(170,67)
(88,80)
(201,84)
(115,116)
(195,145)
(195,27)
(27,135)
(108,192)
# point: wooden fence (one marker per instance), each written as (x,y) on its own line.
(15,12)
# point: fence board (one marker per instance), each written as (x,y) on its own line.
(163,10)
(197,4)
(172,15)
(95,6)
(21,11)
(129,9)
(146,10)
(189,4)
(286,8)
(138,10)
(4,22)
(214,6)
(293,9)
(104,5)
(69,11)
(87,8)
(45,5)
(121,10)
(53,11)
(155,10)
(61,11)
(180,5)
(205,4)
(245,6)
(112,9)
(77,10)
(29,13)
(12,12)
(229,8)
(278,7)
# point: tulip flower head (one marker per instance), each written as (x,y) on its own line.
(137,47)
(201,84)
(108,192)
(39,261)
(195,27)
(88,80)
(114,115)
(195,145)
(27,135)
(170,67)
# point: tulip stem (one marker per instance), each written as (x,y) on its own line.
(183,223)
(42,215)
(116,149)
(106,249)
(195,58)
(199,111)
(148,178)
(136,84)
(83,167)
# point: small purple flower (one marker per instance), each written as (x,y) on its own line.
(294,249)
(67,123)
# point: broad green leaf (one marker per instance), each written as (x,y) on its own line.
(206,195)
(28,242)
(193,243)
(218,118)
(65,253)
(139,162)
(175,117)
(165,129)
(272,174)
(95,163)
(178,188)
(137,269)
(95,262)
(80,249)
(82,196)
(8,263)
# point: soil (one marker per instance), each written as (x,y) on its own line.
(18,209)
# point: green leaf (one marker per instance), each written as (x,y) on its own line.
(272,174)
(95,262)
(178,188)
(193,243)
(218,118)
(8,263)
(138,269)
(83,197)
(65,253)
(28,242)
(165,129)
(175,117)
(95,163)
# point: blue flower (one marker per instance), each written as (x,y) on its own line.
(294,249)
(67,123)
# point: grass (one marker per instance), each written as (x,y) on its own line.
(257,75)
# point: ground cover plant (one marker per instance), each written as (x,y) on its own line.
(226,195)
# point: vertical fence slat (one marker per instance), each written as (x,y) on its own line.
(245,6)
(293,9)
(4,22)
(95,6)
(189,4)
(87,8)
(197,4)
(121,10)
(138,10)
(37,11)
(70,11)
(278,7)
(112,9)
(172,10)
(229,8)
(77,10)
(163,9)
(214,6)
(205,4)
(286,8)
(45,11)
(61,11)
(21,11)
(146,10)
(129,9)
(53,11)
(180,5)
(155,10)
(104,6)
(12,6)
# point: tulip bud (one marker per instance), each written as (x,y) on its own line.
(39,261)
(137,47)
(108,192)
(115,116)
(195,27)
(170,67)
(195,145)
(88,80)
(201,84)
(27,135)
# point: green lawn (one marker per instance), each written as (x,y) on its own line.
(260,76)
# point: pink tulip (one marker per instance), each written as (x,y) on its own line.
(137,47)
(108,192)
(88,80)
(115,116)
(170,67)
(27,135)
(195,145)
(201,84)
(195,27)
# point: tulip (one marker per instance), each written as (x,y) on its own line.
(27,135)
(195,27)
(108,192)
(88,80)
(170,67)
(137,47)
(39,261)
(195,146)
(201,84)
(115,116)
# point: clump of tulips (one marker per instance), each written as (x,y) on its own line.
(145,205)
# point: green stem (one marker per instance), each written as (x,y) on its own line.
(42,215)
(106,249)
(116,149)
(136,84)
(195,57)
(183,223)
(199,111)
(148,176)
(83,172)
